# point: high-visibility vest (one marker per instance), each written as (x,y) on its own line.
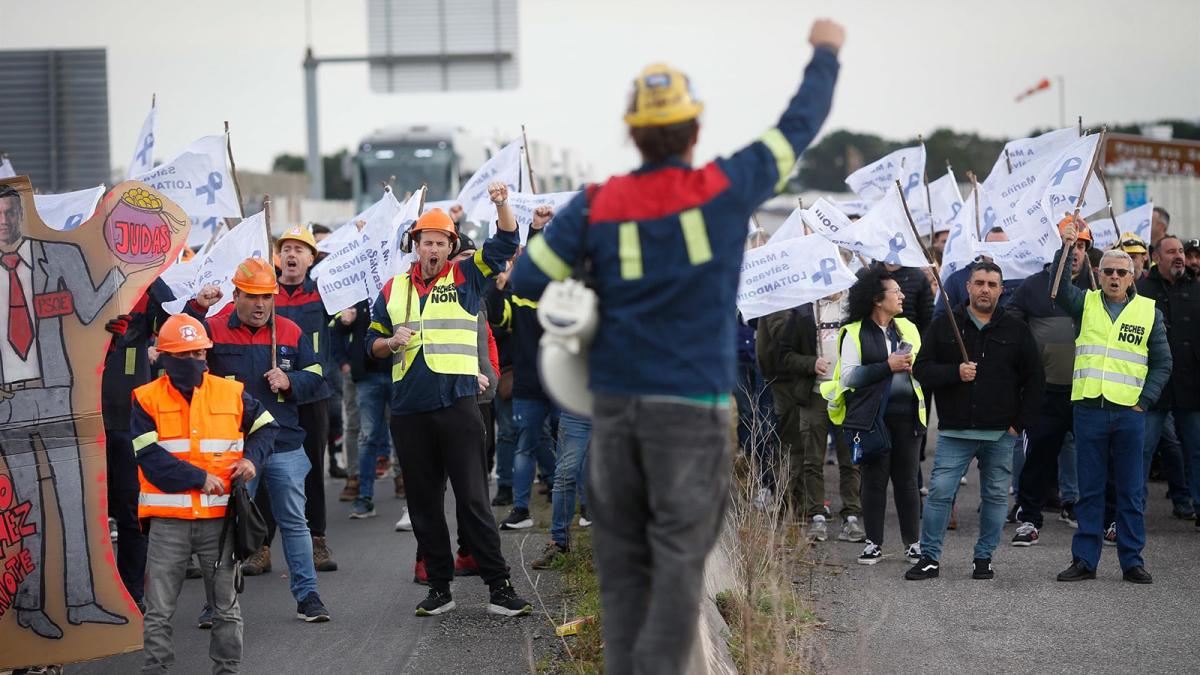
(445,332)
(833,391)
(1112,357)
(205,433)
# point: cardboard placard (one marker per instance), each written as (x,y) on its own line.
(61,599)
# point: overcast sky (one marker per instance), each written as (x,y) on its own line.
(907,68)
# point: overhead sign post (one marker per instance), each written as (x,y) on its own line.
(422,46)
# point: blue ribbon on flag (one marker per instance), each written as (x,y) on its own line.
(147,146)
(913,181)
(825,271)
(214,183)
(897,244)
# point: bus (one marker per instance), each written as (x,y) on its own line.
(443,157)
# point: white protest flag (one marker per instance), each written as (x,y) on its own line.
(962,240)
(68,210)
(180,278)
(906,165)
(248,239)
(884,233)
(784,274)
(197,179)
(1065,179)
(853,208)
(791,228)
(1017,259)
(409,213)
(143,152)
(6,168)
(524,204)
(1135,221)
(506,166)
(1022,151)
(359,267)
(947,201)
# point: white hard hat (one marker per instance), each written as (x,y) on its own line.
(568,311)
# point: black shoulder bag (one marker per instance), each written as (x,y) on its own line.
(245,529)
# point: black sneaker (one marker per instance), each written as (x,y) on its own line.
(926,568)
(1067,515)
(312,610)
(437,602)
(205,622)
(1076,572)
(983,569)
(1183,511)
(1137,575)
(504,496)
(1027,535)
(871,554)
(504,601)
(518,519)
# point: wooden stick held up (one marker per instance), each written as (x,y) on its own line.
(237,188)
(962,347)
(528,160)
(267,224)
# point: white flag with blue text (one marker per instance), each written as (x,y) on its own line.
(1134,221)
(523,205)
(906,165)
(505,166)
(882,234)
(68,210)
(143,152)
(784,274)
(247,239)
(1023,151)
(198,180)
(360,266)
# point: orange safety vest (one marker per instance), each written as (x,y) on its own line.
(205,433)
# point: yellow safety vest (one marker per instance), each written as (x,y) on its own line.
(833,391)
(1112,357)
(444,330)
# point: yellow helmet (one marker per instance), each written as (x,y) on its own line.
(301,234)
(661,95)
(1131,243)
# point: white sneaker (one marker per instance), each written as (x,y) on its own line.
(584,521)
(764,498)
(913,553)
(405,523)
(817,530)
(852,530)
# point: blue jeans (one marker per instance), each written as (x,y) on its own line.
(1068,473)
(950,463)
(1101,434)
(1187,424)
(374,393)
(529,417)
(506,441)
(574,434)
(284,474)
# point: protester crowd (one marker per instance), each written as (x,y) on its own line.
(1068,395)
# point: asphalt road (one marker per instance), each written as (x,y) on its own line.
(1023,621)
(372,599)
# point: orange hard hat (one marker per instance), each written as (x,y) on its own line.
(182,333)
(1081,229)
(255,275)
(438,221)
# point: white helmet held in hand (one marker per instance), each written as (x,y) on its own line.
(569,312)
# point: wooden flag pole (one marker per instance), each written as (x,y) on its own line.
(1062,258)
(1111,216)
(267,226)
(937,277)
(975,193)
(528,160)
(237,188)
(408,295)
(1007,161)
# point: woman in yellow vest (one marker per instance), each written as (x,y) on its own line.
(193,434)
(880,406)
(1122,363)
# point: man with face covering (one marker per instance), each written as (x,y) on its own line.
(185,483)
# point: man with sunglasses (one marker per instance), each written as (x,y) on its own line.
(1122,362)
(1177,294)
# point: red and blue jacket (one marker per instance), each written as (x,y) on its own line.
(665,243)
(244,353)
(302,304)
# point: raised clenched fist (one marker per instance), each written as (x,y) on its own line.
(827,33)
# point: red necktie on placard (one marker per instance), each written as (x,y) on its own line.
(20,327)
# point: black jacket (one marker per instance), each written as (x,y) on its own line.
(1179,303)
(349,345)
(918,295)
(786,347)
(1008,386)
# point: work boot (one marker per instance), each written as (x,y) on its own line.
(323,556)
(350,492)
(399,483)
(259,563)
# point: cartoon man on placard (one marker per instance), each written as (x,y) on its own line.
(46,295)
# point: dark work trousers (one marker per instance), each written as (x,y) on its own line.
(658,484)
(489,435)
(1039,476)
(314,419)
(123,491)
(899,465)
(433,445)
